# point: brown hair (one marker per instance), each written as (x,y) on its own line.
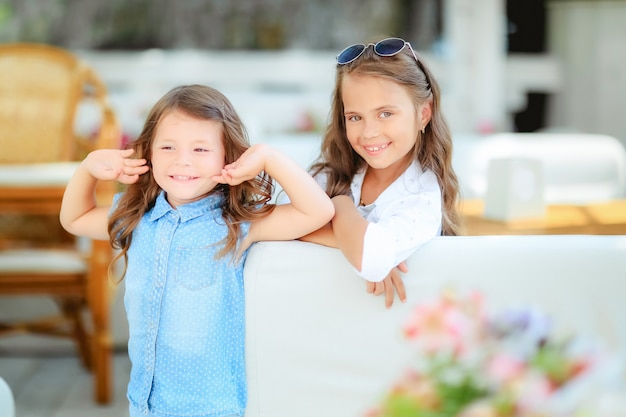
(433,148)
(244,202)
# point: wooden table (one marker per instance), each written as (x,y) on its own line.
(607,218)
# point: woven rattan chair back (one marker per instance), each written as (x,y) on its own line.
(41,89)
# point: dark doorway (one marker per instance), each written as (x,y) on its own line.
(526,26)
(526,23)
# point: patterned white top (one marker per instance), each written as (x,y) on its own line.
(405,215)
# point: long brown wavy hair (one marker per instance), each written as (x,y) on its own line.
(433,148)
(247,201)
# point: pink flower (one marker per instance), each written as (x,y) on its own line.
(532,390)
(504,368)
(445,323)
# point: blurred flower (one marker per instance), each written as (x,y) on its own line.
(472,364)
(444,324)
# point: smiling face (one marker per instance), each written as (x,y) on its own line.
(186,153)
(381,121)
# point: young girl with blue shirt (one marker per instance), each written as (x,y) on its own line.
(386,161)
(183,231)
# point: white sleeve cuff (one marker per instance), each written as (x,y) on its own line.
(379,248)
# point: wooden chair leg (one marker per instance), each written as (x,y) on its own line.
(72,309)
(99,304)
(102,353)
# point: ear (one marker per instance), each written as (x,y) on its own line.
(426,113)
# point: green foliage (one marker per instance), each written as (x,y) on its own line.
(6,13)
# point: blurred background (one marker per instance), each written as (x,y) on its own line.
(527,66)
(504,65)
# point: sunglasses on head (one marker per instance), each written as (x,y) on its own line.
(386,47)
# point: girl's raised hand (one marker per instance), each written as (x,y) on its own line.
(246,167)
(115,164)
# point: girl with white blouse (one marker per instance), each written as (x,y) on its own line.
(386,162)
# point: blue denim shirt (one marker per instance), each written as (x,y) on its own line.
(185,313)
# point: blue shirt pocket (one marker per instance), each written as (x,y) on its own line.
(195,268)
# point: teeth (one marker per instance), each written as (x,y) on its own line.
(179,178)
(376,148)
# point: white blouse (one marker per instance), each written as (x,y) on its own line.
(405,215)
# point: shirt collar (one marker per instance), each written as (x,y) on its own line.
(409,180)
(186,211)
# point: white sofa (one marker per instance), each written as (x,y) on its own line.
(319,345)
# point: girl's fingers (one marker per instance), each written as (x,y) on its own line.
(231,165)
(379,288)
(389,295)
(134,162)
(398,283)
(128,179)
(131,171)
(231,176)
(223,178)
(219,179)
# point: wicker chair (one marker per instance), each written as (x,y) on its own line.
(43,90)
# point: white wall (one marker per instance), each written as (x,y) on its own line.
(475,58)
(273,91)
(588,38)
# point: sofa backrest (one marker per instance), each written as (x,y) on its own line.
(319,345)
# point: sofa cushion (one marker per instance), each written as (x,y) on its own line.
(42,260)
(37,175)
(319,345)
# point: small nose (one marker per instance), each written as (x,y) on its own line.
(183,158)
(371,129)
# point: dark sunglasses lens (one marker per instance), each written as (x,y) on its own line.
(350,54)
(389,47)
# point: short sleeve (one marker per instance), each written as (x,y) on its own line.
(400,223)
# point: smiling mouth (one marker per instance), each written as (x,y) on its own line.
(376,148)
(182,178)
